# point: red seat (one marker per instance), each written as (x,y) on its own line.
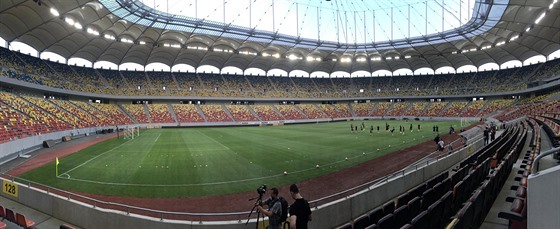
(2,212)
(3,225)
(10,216)
(24,222)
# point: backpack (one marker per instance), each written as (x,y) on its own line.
(284,204)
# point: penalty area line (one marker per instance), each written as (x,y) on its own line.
(80,165)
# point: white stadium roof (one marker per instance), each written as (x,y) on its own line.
(125,31)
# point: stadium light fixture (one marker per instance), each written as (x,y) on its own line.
(93,31)
(500,43)
(310,58)
(333,59)
(142,42)
(293,57)
(361,59)
(276,55)
(125,40)
(55,12)
(345,60)
(514,38)
(407,57)
(540,18)
(69,21)
(472,50)
(376,59)
(388,58)
(528,29)
(397,57)
(110,37)
(78,25)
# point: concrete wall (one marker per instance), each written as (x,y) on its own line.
(325,215)
(543,209)
(12,149)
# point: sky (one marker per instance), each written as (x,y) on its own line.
(344,21)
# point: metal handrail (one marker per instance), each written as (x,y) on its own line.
(540,156)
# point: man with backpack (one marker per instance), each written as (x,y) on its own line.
(277,210)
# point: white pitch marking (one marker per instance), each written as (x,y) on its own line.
(80,165)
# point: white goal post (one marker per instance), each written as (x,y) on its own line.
(131,132)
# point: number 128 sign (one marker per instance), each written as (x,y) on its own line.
(10,188)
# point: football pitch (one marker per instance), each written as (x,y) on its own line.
(188,162)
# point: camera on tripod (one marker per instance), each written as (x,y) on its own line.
(261,190)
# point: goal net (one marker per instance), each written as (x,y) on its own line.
(131,132)
(465,122)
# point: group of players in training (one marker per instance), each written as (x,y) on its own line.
(388,128)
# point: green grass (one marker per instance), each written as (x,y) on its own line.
(215,161)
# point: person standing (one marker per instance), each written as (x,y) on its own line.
(274,211)
(485,134)
(300,212)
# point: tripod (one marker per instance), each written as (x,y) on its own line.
(259,214)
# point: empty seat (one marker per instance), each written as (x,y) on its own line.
(446,183)
(458,193)
(466,216)
(447,200)
(401,216)
(403,200)
(2,212)
(436,211)
(421,221)
(414,206)
(387,222)
(10,216)
(418,191)
(517,215)
(477,198)
(438,190)
(361,222)
(428,198)
(376,215)
(23,221)
(388,208)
